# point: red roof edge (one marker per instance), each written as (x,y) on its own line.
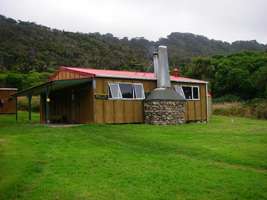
(86,73)
(64,68)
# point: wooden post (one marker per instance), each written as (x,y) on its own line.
(16,108)
(47,106)
(72,107)
(30,107)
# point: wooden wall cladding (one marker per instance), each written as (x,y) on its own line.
(65,75)
(196,110)
(65,108)
(131,111)
(94,109)
(8,105)
(119,111)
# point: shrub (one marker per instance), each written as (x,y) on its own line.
(23,103)
(227,98)
(2,80)
(256,108)
(23,81)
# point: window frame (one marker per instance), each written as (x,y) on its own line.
(121,92)
(183,95)
(109,91)
(198,92)
(192,92)
(143,91)
(120,96)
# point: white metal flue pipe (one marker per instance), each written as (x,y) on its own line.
(156,65)
(163,76)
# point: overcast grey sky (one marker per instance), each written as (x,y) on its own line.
(227,20)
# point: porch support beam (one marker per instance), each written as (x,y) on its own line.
(47,121)
(30,107)
(16,100)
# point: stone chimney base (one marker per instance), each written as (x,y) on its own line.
(164,112)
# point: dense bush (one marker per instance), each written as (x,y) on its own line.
(22,80)
(23,104)
(227,98)
(243,75)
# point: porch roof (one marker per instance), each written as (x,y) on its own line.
(51,86)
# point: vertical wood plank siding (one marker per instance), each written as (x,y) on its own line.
(9,106)
(196,109)
(94,110)
(63,108)
(131,111)
(119,111)
(65,75)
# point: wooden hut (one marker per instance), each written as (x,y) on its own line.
(7,102)
(85,95)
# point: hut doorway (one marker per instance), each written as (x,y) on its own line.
(70,105)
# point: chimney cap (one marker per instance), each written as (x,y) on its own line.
(163,46)
(175,71)
(167,94)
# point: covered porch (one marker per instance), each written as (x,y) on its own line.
(62,101)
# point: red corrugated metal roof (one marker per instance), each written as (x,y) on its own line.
(125,74)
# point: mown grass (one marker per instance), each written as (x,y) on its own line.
(224,159)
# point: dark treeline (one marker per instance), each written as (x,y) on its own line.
(30,52)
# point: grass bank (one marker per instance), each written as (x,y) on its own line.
(224,159)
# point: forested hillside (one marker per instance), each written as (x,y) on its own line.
(26,46)
(30,52)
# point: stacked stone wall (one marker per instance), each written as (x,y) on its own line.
(164,112)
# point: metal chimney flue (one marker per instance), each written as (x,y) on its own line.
(163,105)
(156,64)
(163,76)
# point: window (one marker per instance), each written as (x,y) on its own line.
(195,93)
(189,92)
(2,101)
(139,91)
(114,91)
(126,91)
(179,90)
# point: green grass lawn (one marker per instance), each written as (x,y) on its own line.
(224,159)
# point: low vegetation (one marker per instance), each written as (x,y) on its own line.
(256,108)
(23,80)
(23,103)
(224,159)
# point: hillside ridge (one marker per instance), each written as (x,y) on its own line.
(26,46)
